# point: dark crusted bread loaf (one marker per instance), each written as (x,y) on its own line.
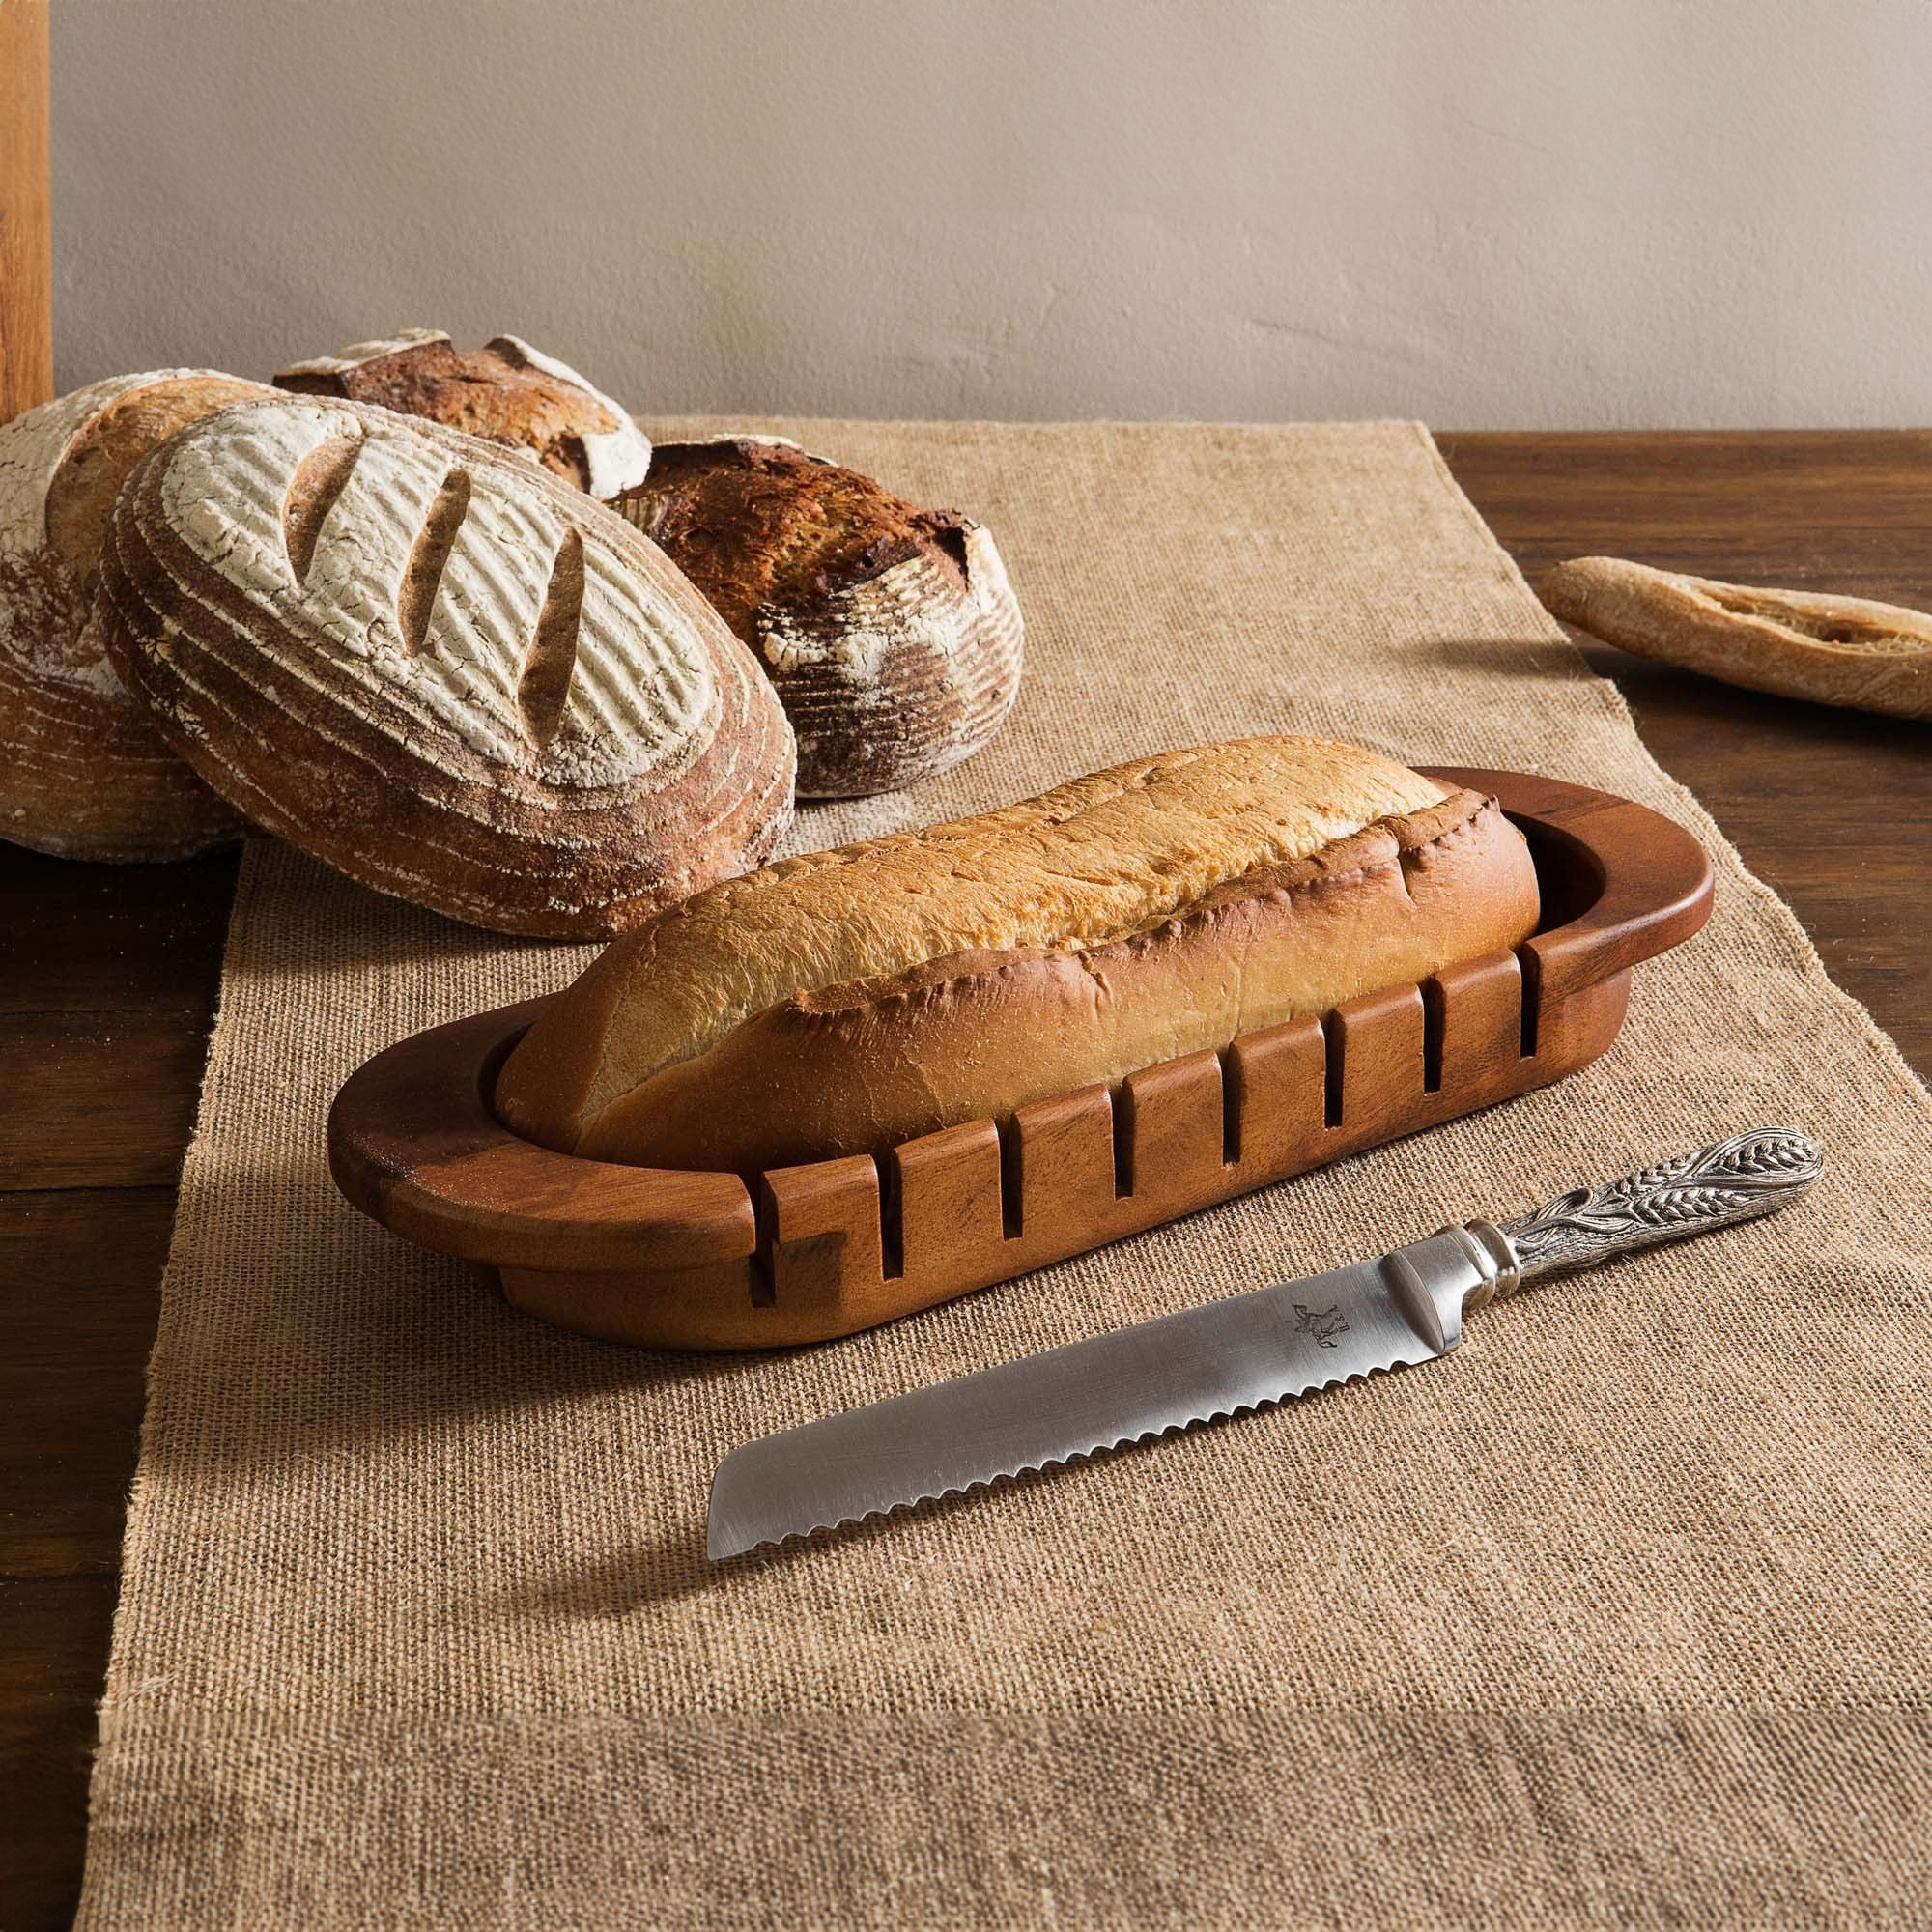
(845,1002)
(440,669)
(506,391)
(84,774)
(891,633)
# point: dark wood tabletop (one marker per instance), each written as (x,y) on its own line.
(108,979)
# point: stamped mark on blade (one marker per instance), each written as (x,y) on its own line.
(1321,1325)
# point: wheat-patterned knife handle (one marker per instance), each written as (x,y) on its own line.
(1750,1174)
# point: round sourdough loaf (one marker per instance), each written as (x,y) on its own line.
(506,391)
(891,634)
(845,1002)
(83,772)
(440,669)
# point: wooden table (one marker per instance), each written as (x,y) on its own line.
(108,979)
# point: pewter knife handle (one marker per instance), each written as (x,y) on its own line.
(1750,1174)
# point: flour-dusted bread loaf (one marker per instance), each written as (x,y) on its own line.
(845,1002)
(1797,644)
(83,772)
(891,633)
(440,669)
(505,391)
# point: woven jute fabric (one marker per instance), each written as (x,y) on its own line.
(1618,1615)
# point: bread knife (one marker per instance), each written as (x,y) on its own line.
(1270,1344)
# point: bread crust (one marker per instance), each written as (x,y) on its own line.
(506,392)
(87,774)
(1137,926)
(891,634)
(440,669)
(1833,650)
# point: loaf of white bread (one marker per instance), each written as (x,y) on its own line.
(850,1000)
(440,668)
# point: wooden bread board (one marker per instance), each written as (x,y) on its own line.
(705,1260)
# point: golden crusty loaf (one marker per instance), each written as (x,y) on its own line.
(846,1001)
(891,634)
(506,391)
(441,669)
(83,772)
(1796,643)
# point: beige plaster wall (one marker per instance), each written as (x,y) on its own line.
(1479,211)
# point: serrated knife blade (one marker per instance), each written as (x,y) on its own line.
(1266,1346)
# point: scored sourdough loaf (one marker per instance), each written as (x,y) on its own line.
(506,392)
(891,634)
(84,773)
(440,669)
(850,1000)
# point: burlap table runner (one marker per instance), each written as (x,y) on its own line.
(1619,1614)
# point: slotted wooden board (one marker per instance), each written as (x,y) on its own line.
(708,1261)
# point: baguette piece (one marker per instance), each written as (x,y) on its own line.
(850,1000)
(505,391)
(891,634)
(1795,643)
(85,772)
(440,669)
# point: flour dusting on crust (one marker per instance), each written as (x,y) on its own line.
(642,690)
(615,458)
(42,614)
(86,776)
(360,353)
(904,675)
(891,634)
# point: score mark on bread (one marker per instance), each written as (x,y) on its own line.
(318,479)
(545,681)
(440,669)
(428,555)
